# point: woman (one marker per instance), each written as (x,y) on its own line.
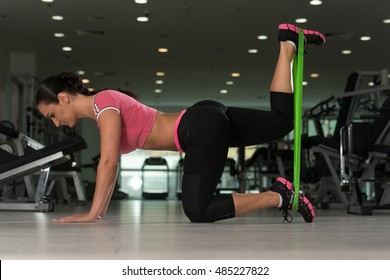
(126,125)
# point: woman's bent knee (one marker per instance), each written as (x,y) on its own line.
(197,216)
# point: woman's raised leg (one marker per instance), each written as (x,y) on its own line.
(281,192)
(281,81)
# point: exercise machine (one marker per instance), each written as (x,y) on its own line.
(359,136)
(40,160)
(156,184)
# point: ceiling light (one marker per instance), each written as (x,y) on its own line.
(160,74)
(230,83)
(223,91)
(162,50)
(66,49)
(253,51)
(141,1)
(91,89)
(157,90)
(57,17)
(301,20)
(346,51)
(85,81)
(314,75)
(365,38)
(80,72)
(315,2)
(47,1)
(59,35)
(262,37)
(386,20)
(235,75)
(143,19)
(371,84)
(159,82)
(304,83)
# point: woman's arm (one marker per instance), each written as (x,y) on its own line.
(103,209)
(110,133)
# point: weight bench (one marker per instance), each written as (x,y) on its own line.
(38,160)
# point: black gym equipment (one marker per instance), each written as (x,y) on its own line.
(13,167)
(353,155)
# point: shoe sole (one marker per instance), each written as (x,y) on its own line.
(287,26)
(302,199)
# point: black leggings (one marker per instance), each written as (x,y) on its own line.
(206,131)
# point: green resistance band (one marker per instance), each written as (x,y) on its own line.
(298,91)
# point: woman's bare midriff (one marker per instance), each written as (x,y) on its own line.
(162,135)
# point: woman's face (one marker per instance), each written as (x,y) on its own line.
(61,114)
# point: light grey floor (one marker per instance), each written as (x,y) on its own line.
(135,229)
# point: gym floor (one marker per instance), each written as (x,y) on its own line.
(135,229)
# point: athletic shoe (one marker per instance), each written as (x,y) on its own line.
(289,32)
(286,191)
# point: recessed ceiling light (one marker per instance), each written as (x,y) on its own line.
(85,81)
(141,1)
(80,72)
(365,38)
(142,19)
(315,2)
(230,83)
(91,89)
(262,37)
(304,83)
(301,20)
(223,91)
(314,75)
(160,74)
(57,17)
(162,50)
(371,84)
(235,75)
(47,1)
(159,82)
(253,51)
(386,20)
(59,35)
(346,51)
(157,90)
(66,49)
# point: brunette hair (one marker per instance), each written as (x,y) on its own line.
(65,82)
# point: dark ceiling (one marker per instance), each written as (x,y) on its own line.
(206,41)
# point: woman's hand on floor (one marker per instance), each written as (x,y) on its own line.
(77,218)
